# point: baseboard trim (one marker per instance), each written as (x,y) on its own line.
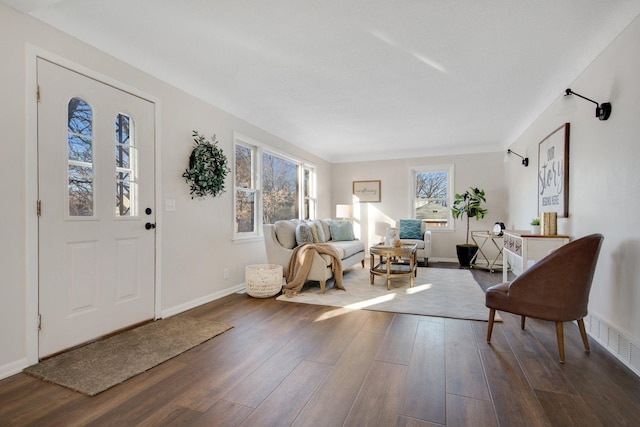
(615,342)
(200,301)
(13,368)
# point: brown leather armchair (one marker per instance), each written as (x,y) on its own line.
(555,288)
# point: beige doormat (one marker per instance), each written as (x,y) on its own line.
(98,366)
(437,292)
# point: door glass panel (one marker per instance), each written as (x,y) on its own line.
(126,173)
(80,158)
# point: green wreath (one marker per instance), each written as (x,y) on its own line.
(207,168)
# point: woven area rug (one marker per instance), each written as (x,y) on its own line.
(437,292)
(98,366)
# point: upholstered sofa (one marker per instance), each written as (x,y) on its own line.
(282,237)
(415,231)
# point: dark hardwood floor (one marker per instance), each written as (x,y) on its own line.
(294,364)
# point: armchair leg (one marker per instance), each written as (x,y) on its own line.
(323,285)
(560,336)
(583,334)
(522,319)
(492,315)
(362,262)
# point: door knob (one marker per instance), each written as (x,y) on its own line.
(150,225)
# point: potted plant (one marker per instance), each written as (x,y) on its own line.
(535,226)
(468,204)
(207,168)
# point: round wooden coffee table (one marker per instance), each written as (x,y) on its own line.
(394,262)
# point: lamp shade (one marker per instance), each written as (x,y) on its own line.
(343,211)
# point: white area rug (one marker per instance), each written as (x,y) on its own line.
(437,292)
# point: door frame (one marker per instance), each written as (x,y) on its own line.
(32,53)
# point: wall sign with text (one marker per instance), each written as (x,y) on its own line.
(553,172)
(366,191)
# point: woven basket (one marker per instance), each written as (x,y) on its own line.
(263,280)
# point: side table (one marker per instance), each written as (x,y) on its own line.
(391,263)
(480,238)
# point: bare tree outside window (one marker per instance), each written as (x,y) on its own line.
(431,198)
(279,189)
(125,182)
(80,157)
(269,187)
(245,191)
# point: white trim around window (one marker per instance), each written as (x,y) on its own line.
(250,189)
(442,224)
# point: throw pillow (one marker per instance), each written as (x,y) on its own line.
(286,233)
(319,231)
(410,229)
(303,234)
(314,231)
(341,230)
(326,230)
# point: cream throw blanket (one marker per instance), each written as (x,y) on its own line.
(300,265)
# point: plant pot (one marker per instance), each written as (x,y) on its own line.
(466,253)
(535,229)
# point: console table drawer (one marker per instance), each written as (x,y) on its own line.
(521,247)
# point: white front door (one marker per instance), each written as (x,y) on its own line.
(97,225)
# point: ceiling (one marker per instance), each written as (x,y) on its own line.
(357,80)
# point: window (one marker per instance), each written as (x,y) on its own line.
(80,158)
(126,176)
(309,192)
(279,189)
(245,190)
(432,192)
(269,186)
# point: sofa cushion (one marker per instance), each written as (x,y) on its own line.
(418,242)
(286,233)
(303,233)
(347,248)
(341,230)
(410,229)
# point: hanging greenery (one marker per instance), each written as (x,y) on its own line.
(207,168)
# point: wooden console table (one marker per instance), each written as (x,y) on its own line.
(520,247)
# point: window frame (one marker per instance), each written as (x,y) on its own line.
(251,189)
(449,169)
(257,149)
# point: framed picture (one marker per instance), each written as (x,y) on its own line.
(553,172)
(366,191)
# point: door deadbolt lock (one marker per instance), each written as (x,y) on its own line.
(150,225)
(148,211)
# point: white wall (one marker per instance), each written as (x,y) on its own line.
(604,185)
(195,239)
(478,170)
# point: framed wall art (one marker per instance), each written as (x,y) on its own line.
(366,191)
(553,172)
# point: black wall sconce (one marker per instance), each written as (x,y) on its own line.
(525,160)
(603,111)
